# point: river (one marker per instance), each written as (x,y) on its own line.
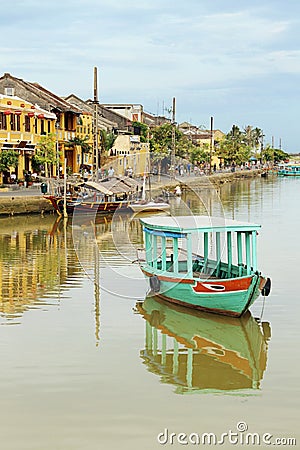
(87,364)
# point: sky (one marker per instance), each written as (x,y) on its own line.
(233,60)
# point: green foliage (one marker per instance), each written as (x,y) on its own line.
(85,146)
(161,141)
(46,149)
(274,154)
(144,130)
(108,139)
(8,158)
(200,154)
(237,146)
(45,153)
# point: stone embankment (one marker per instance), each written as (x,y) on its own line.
(206,182)
(14,204)
(36,204)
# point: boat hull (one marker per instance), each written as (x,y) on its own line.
(85,207)
(148,207)
(231,297)
(289,174)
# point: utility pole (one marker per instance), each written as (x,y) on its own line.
(211,143)
(57,148)
(173,155)
(95,128)
(262,147)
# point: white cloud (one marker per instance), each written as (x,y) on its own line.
(150,49)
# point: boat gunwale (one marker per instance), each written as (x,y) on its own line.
(152,223)
(188,280)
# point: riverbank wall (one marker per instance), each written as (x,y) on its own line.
(213,181)
(14,204)
(11,205)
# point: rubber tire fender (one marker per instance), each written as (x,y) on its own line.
(154,284)
(267,288)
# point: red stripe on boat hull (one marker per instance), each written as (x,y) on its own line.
(232,285)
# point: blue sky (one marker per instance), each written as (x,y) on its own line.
(235,60)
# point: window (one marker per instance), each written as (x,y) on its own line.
(9,91)
(3,123)
(49,126)
(13,122)
(18,123)
(43,126)
(27,124)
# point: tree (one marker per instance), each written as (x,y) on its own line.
(200,154)
(142,130)
(81,142)
(236,146)
(45,154)
(274,154)
(108,140)
(162,138)
(8,158)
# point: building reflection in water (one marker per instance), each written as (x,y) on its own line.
(41,259)
(39,262)
(34,263)
(198,352)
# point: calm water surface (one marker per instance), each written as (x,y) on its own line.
(88,363)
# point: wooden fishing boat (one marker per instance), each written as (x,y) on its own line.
(199,352)
(289,170)
(89,206)
(96,198)
(202,262)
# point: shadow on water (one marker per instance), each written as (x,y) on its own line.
(201,352)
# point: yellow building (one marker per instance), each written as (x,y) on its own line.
(129,155)
(84,133)
(43,102)
(204,139)
(21,126)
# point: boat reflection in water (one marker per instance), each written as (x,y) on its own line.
(200,352)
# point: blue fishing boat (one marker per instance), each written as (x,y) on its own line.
(206,263)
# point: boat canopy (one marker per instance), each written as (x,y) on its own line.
(98,187)
(162,236)
(188,224)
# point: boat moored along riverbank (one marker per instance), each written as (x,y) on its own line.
(184,261)
(289,170)
(36,204)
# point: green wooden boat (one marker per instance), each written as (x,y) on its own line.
(199,352)
(207,263)
(289,170)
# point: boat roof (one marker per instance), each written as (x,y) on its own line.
(97,187)
(186,224)
(114,185)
